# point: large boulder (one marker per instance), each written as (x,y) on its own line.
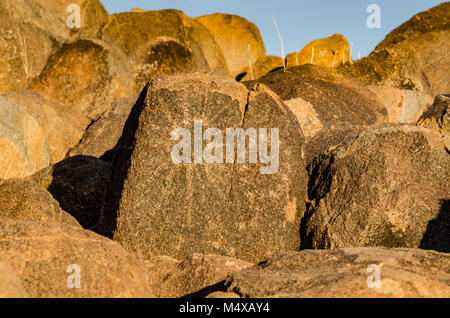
(48,257)
(23,146)
(78,184)
(25,200)
(324,100)
(10,285)
(102,136)
(172,279)
(437,118)
(239,39)
(388,186)
(329,52)
(261,67)
(415,56)
(158,206)
(346,273)
(62,126)
(161,42)
(86,75)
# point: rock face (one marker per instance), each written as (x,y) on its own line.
(347,273)
(238,209)
(386,187)
(262,66)
(403,60)
(163,42)
(437,118)
(239,39)
(25,200)
(78,184)
(324,100)
(62,126)
(102,135)
(47,257)
(23,146)
(86,75)
(173,279)
(10,285)
(330,52)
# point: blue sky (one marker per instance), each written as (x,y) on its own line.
(299,21)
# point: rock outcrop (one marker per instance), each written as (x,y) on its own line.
(329,52)
(324,100)
(386,187)
(62,126)
(239,39)
(173,279)
(415,56)
(25,200)
(51,259)
(437,118)
(78,184)
(10,285)
(163,42)
(87,75)
(23,146)
(102,136)
(346,273)
(231,207)
(262,66)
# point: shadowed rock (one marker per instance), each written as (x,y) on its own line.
(101,137)
(329,52)
(41,255)
(381,188)
(86,75)
(239,39)
(156,207)
(346,273)
(173,279)
(78,184)
(437,118)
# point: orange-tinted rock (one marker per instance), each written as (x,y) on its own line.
(239,39)
(329,52)
(10,285)
(262,66)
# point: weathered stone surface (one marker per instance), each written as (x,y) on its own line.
(156,207)
(86,75)
(62,126)
(25,200)
(162,42)
(23,146)
(437,118)
(262,66)
(324,100)
(415,56)
(102,135)
(10,285)
(173,279)
(41,254)
(346,273)
(403,105)
(78,184)
(387,187)
(239,39)
(25,43)
(329,52)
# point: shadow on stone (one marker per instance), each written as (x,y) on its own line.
(437,236)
